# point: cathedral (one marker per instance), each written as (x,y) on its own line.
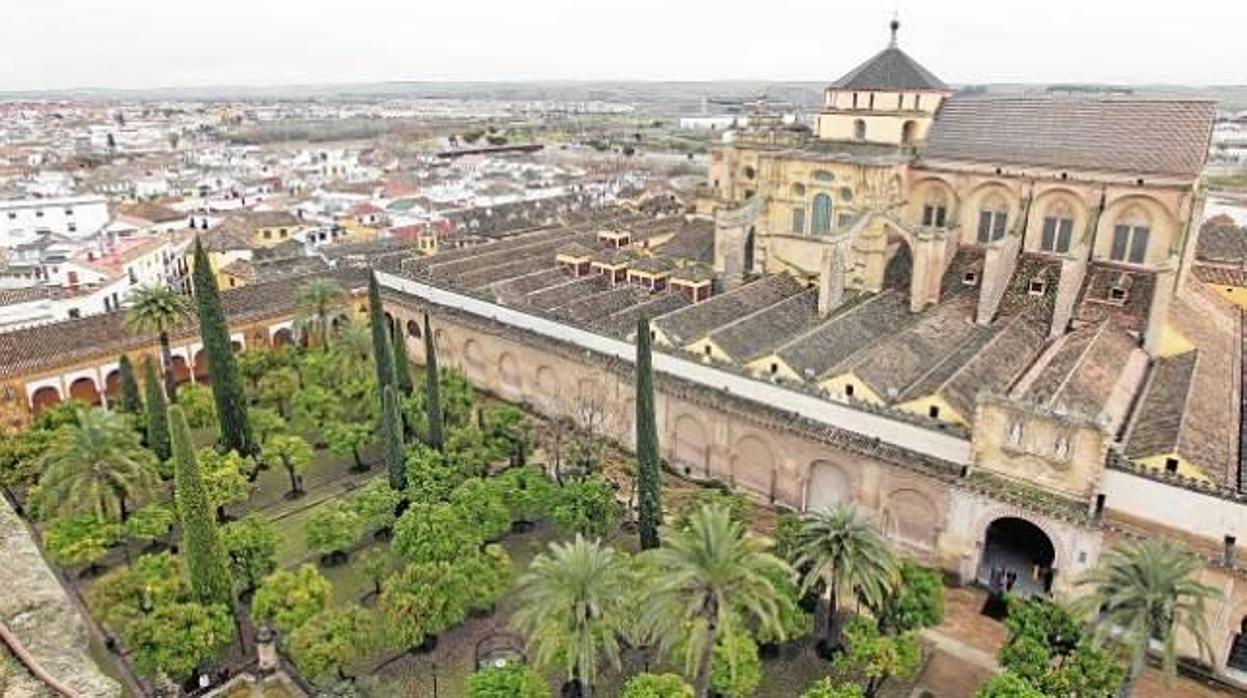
(999,326)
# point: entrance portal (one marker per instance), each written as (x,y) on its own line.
(1017,557)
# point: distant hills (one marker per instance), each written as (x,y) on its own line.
(656,96)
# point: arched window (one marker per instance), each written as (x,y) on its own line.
(859,129)
(907,133)
(935,210)
(1058,228)
(1130,237)
(820,220)
(993,218)
(749,251)
(797,190)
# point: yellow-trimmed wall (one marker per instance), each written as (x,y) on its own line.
(762,367)
(1234,294)
(922,406)
(1185,467)
(837,385)
(1172,343)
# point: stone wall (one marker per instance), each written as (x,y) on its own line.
(37,609)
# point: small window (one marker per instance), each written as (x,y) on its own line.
(1117,294)
(706,351)
(1061,448)
(1015,434)
(413,329)
(933,412)
(848,390)
(859,129)
(39,213)
(798,220)
(1037,287)
(69,212)
(774,369)
(73,313)
(969,278)
(1171,465)
(12,215)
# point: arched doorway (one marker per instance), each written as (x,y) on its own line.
(1017,555)
(181,371)
(201,366)
(112,384)
(43,398)
(899,270)
(84,390)
(283,337)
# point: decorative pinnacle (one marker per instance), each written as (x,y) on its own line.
(895,25)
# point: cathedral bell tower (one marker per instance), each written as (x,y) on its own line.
(890,99)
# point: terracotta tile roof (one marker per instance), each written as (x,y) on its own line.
(1097,301)
(690,324)
(599,305)
(1084,370)
(149,211)
(510,291)
(1122,135)
(230,236)
(989,362)
(694,243)
(757,334)
(1191,402)
(853,328)
(1225,244)
(896,362)
(558,296)
(890,69)
(1217,275)
(105,336)
(622,323)
(271,219)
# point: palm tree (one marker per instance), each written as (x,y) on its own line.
(353,345)
(1148,591)
(702,574)
(154,310)
(316,302)
(572,608)
(841,549)
(96,466)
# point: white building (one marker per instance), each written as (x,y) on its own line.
(75,217)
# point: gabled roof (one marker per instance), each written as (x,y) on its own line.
(1134,136)
(890,69)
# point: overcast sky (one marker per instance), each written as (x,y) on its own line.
(158,43)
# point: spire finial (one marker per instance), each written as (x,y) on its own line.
(895,25)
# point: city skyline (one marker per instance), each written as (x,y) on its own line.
(137,44)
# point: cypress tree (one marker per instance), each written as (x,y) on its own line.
(392,439)
(432,389)
(131,402)
(205,555)
(380,336)
(649,474)
(231,404)
(402,369)
(157,436)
